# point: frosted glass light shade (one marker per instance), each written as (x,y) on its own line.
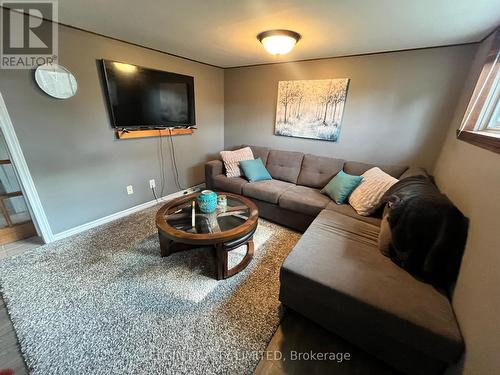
(278,42)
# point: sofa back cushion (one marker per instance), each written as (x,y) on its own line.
(284,165)
(260,152)
(317,171)
(356,168)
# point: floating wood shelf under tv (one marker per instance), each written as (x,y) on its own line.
(144,133)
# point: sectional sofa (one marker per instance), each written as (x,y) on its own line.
(336,275)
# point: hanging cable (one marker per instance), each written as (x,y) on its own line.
(162,165)
(174,161)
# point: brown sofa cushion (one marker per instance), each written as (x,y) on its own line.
(303,199)
(284,165)
(356,168)
(337,266)
(346,209)
(317,171)
(228,184)
(267,191)
(260,152)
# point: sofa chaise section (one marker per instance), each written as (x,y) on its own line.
(336,276)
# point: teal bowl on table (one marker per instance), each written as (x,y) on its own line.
(207,201)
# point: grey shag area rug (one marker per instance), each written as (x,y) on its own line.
(105,302)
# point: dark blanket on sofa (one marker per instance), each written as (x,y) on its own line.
(428,231)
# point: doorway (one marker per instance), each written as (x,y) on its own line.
(16,222)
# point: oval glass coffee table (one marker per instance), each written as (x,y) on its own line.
(223,230)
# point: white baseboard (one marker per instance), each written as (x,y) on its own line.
(128,211)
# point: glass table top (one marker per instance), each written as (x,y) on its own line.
(187,217)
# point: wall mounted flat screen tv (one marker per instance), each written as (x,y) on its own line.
(146,98)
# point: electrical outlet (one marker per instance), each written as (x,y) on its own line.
(152,183)
(130,189)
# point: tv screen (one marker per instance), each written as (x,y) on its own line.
(148,98)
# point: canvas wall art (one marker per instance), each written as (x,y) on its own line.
(311,109)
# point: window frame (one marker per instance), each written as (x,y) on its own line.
(474,128)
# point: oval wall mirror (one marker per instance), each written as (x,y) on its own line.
(56,81)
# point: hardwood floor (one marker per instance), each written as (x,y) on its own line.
(10,355)
(295,333)
(19,247)
(298,334)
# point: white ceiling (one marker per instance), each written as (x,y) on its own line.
(222,32)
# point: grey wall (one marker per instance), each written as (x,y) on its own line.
(398,107)
(79,168)
(470,176)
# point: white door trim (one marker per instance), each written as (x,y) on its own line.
(27,184)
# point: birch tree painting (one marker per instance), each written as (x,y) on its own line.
(311,109)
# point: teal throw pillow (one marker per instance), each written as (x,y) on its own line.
(254,170)
(339,187)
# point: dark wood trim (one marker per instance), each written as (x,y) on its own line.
(488,142)
(5,161)
(261,64)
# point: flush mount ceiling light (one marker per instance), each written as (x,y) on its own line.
(278,42)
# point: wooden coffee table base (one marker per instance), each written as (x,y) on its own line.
(221,251)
